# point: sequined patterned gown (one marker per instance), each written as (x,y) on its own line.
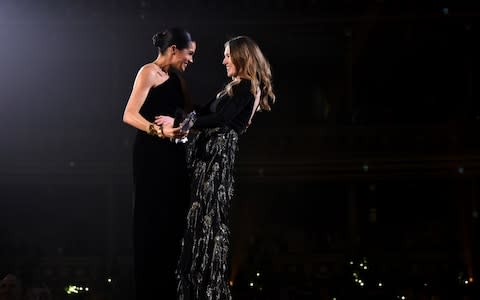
(202,271)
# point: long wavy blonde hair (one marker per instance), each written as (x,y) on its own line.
(251,64)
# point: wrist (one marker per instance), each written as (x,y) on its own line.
(162,134)
(152,129)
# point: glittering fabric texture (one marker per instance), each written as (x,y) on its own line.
(203,264)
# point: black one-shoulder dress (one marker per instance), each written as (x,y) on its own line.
(161,192)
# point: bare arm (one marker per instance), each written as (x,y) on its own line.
(147,77)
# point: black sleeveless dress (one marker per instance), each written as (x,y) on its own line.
(161,197)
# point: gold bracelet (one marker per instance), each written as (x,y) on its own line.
(153,131)
(161,131)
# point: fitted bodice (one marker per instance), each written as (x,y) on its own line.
(165,99)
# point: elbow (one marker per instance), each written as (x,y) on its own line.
(126,118)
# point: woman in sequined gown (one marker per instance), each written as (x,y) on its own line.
(159,169)
(213,145)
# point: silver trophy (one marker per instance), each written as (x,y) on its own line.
(185,126)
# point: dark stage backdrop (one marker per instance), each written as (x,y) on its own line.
(373,143)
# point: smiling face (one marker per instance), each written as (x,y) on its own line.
(183,57)
(227,61)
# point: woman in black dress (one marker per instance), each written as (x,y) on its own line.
(203,265)
(159,168)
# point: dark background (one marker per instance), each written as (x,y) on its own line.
(370,157)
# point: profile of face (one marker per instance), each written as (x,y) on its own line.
(181,58)
(227,61)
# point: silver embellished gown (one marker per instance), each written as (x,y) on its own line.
(203,266)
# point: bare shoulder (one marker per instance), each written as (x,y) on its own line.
(148,69)
(147,72)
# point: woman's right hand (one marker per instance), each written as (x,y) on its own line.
(172,132)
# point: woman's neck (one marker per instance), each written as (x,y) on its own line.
(162,64)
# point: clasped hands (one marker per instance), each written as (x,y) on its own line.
(169,131)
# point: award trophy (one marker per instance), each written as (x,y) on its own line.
(185,126)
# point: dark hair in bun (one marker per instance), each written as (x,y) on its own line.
(172,36)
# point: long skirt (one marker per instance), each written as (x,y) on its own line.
(203,264)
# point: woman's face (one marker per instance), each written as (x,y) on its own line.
(227,61)
(183,57)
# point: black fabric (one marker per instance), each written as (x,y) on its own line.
(232,112)
(161,197)
(202,271)
(203,266)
